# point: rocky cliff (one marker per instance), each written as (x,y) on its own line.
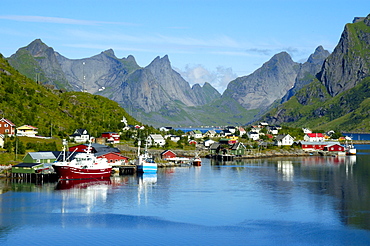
(350,61)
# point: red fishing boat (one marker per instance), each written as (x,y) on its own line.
(197,161)
(83,166)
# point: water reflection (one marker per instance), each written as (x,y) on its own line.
(88,192)
(146,182)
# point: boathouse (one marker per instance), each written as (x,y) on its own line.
(238,149)
(113,157)
(168,154)
(334,148)
(39,157)
(27,167)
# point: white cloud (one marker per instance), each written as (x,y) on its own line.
(198,74)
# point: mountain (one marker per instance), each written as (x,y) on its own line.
(339,96)
(266,84)
(25,102)
(155,93)
(308,71)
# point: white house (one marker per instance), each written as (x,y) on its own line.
(306,130)
(173,138)
(165,128)
(80,136)
(210,134)
(284,140)
(253,135)
(314,137)
(156,139)
(27,131)
(195,134)
(273,130)
(208,143)
(242,131)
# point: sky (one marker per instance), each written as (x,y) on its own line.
(206,40)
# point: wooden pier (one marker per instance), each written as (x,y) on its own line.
(33,177)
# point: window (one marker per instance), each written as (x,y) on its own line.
(6,125)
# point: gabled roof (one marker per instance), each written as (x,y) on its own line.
(42,155)
(156,137)
(237,146)
(315,135)
(214,146)
(27,127)
(7,121)
(166,151)
(79,132)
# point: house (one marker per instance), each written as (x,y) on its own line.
(210,134)
(173,138)
(284,140)
(229,141)
(7,127)
(314,137)
(168,154)
(113,157)
(215,149)
(27,131)
(111,137)
(242,131)
(32,168)
(306,130)
(334,148)
(165,128)
(156,139)
(95,148)
(1,141)
(273,130)
(238,149)
(225,133)
(40,157)
(231,129)
(191,141)
(195,134)
(314,146)
(208,143)
(253,135)
(80,136)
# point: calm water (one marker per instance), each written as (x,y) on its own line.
(279,201)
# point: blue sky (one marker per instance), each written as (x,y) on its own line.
(206,40)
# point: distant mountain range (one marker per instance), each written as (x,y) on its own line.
(158,95)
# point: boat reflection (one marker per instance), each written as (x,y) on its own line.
(82,194)
(146,182)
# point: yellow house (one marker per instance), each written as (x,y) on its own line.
(27,130)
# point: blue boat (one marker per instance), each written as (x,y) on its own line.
(145,163)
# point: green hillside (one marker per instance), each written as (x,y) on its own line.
(25,102)
(348,111)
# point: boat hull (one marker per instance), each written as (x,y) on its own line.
(66,172)
(197,163)
(147,168)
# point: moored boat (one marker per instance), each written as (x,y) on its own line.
(197,161)
(145,163)
(83,166)
(350,149)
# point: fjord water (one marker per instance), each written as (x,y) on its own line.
(274,201)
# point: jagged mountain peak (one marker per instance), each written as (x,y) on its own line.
(109,52)
(319,54)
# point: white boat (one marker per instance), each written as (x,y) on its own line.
(145,163)
(83,166)
(350,149)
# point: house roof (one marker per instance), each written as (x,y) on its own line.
(237,146)
(281,137)
(27,127)
(42,155)
(79,132)
(315,135)
(156,137)
(214,146)
(166,151)
(27,164)
(7,121)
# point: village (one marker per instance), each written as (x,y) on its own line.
(223,144)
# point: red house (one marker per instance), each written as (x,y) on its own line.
(334,147)
(7,127)
(112,137)
(168,154)
(313,146)
(114,158)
